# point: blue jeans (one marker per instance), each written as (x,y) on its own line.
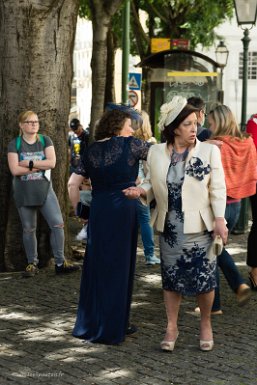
(225,261)
(147,234)
(53,216)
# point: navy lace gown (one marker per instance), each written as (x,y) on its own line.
(108,270)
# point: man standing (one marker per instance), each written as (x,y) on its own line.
(202,132)
(78,141)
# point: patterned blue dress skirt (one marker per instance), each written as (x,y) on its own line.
(187,260)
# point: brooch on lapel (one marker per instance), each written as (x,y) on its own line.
(196,168)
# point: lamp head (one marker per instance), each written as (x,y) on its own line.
(246,11)
(221,53)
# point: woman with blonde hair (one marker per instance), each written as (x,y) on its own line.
(144,132)
(238,156)
(225,123)
(30,157)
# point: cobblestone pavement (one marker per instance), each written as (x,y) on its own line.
(36,346)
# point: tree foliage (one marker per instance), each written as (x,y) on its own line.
(101,13)
(194,20)
(189,19)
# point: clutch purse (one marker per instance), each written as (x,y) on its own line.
(217,245)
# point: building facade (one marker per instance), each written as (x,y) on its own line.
(231,34)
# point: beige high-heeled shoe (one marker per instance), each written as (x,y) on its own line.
(243,294)
(206,346)
(168,346)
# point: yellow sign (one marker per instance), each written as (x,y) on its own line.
(180,73)
(159,44)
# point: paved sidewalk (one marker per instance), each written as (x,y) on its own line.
(36,346)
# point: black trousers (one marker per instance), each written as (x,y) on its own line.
(252,238)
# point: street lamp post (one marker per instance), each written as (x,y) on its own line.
(246,12)
(221,53)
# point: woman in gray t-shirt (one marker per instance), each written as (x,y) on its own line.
(31,156)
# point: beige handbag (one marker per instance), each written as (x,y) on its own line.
(217,245)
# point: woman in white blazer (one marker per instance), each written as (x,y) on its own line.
(186,179)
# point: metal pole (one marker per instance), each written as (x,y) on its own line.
(246,40)
(221,94)
(242,223)
(125,50)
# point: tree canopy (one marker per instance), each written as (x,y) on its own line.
(190,19)
(194,20)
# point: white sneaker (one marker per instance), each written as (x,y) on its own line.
(153,260)
(82,235)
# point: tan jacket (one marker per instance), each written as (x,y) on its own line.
(203,193)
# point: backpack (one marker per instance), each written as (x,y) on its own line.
(18,141)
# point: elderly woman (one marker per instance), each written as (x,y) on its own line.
(186,179)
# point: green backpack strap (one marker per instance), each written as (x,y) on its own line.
(42,140)
(18,141)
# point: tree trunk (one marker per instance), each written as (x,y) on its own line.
(36,48)
(102,12)
(110,69)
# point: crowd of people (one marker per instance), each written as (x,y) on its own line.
(124,180)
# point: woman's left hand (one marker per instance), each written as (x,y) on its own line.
(133,192)
(220,229)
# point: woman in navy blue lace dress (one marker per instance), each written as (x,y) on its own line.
(111,163)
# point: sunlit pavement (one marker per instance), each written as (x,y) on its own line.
(36,346)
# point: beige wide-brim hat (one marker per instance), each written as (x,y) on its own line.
(170,110)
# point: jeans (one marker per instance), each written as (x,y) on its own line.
(85,197)
(225,261)
(252,238)
(147,234)
(53,216)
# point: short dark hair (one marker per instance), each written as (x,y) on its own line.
(74,123)
(168,131)
(197,102)
(111,124)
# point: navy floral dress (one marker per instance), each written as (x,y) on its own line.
(188,264)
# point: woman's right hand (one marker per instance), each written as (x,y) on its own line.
(134,192)
(220,229)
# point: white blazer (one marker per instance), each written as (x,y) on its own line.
(203,190)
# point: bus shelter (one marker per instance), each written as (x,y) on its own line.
(181,72)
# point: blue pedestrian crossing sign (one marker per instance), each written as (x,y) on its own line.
(134,81)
